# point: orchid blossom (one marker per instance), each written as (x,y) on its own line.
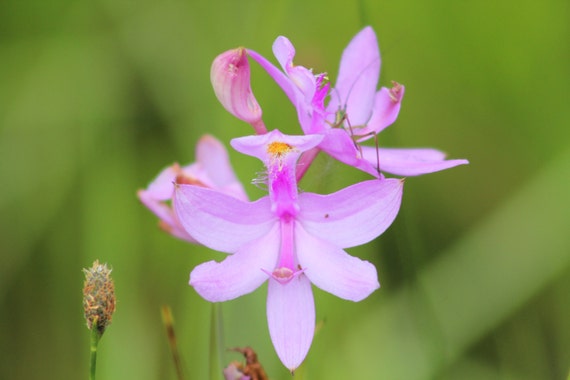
(287,238)
(212,169)
(355,112)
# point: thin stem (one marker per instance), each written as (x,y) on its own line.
(95,337)
(216,342)
(168,322)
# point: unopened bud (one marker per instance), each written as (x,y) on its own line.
(98,296)
(230,76)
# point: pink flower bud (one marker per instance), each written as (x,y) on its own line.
(230,76)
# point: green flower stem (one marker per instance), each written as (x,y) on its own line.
(216,342)
(95,337)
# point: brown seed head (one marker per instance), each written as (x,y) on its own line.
(98,296)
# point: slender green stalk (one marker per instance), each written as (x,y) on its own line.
(216,342)
(95,337)
(98,306)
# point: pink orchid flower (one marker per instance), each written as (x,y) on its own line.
(212,169)
(287,238)
(356,111)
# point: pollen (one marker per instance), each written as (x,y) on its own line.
(279,149)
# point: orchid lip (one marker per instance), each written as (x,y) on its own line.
(283,275)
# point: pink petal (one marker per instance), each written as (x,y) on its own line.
(354,215)
(159,208)
(164,212)
(357,78)
(230,77)
(256,146)
(410,162)
(240,273)
(231,372)
(339,145)
(291,319)
(302,77)
(387,104)
(284,51)
(278,76)
(213,158)
(161,188)
(220,221)
(299,84)
(333,270)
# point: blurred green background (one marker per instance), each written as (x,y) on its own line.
(96,97)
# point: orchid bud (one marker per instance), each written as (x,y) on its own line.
(230,76)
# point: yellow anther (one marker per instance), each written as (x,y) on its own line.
(278,149)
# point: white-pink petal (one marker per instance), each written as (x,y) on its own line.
(354,215)
(219,221)
(333,270)
(291,319)
(410,162)
(240,273)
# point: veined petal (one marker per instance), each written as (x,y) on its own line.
(410,162)
(333,270)
(219,221)
(354,215)
(240,273)
(291,319)
(357,78)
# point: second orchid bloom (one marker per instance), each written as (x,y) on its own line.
(292,239)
